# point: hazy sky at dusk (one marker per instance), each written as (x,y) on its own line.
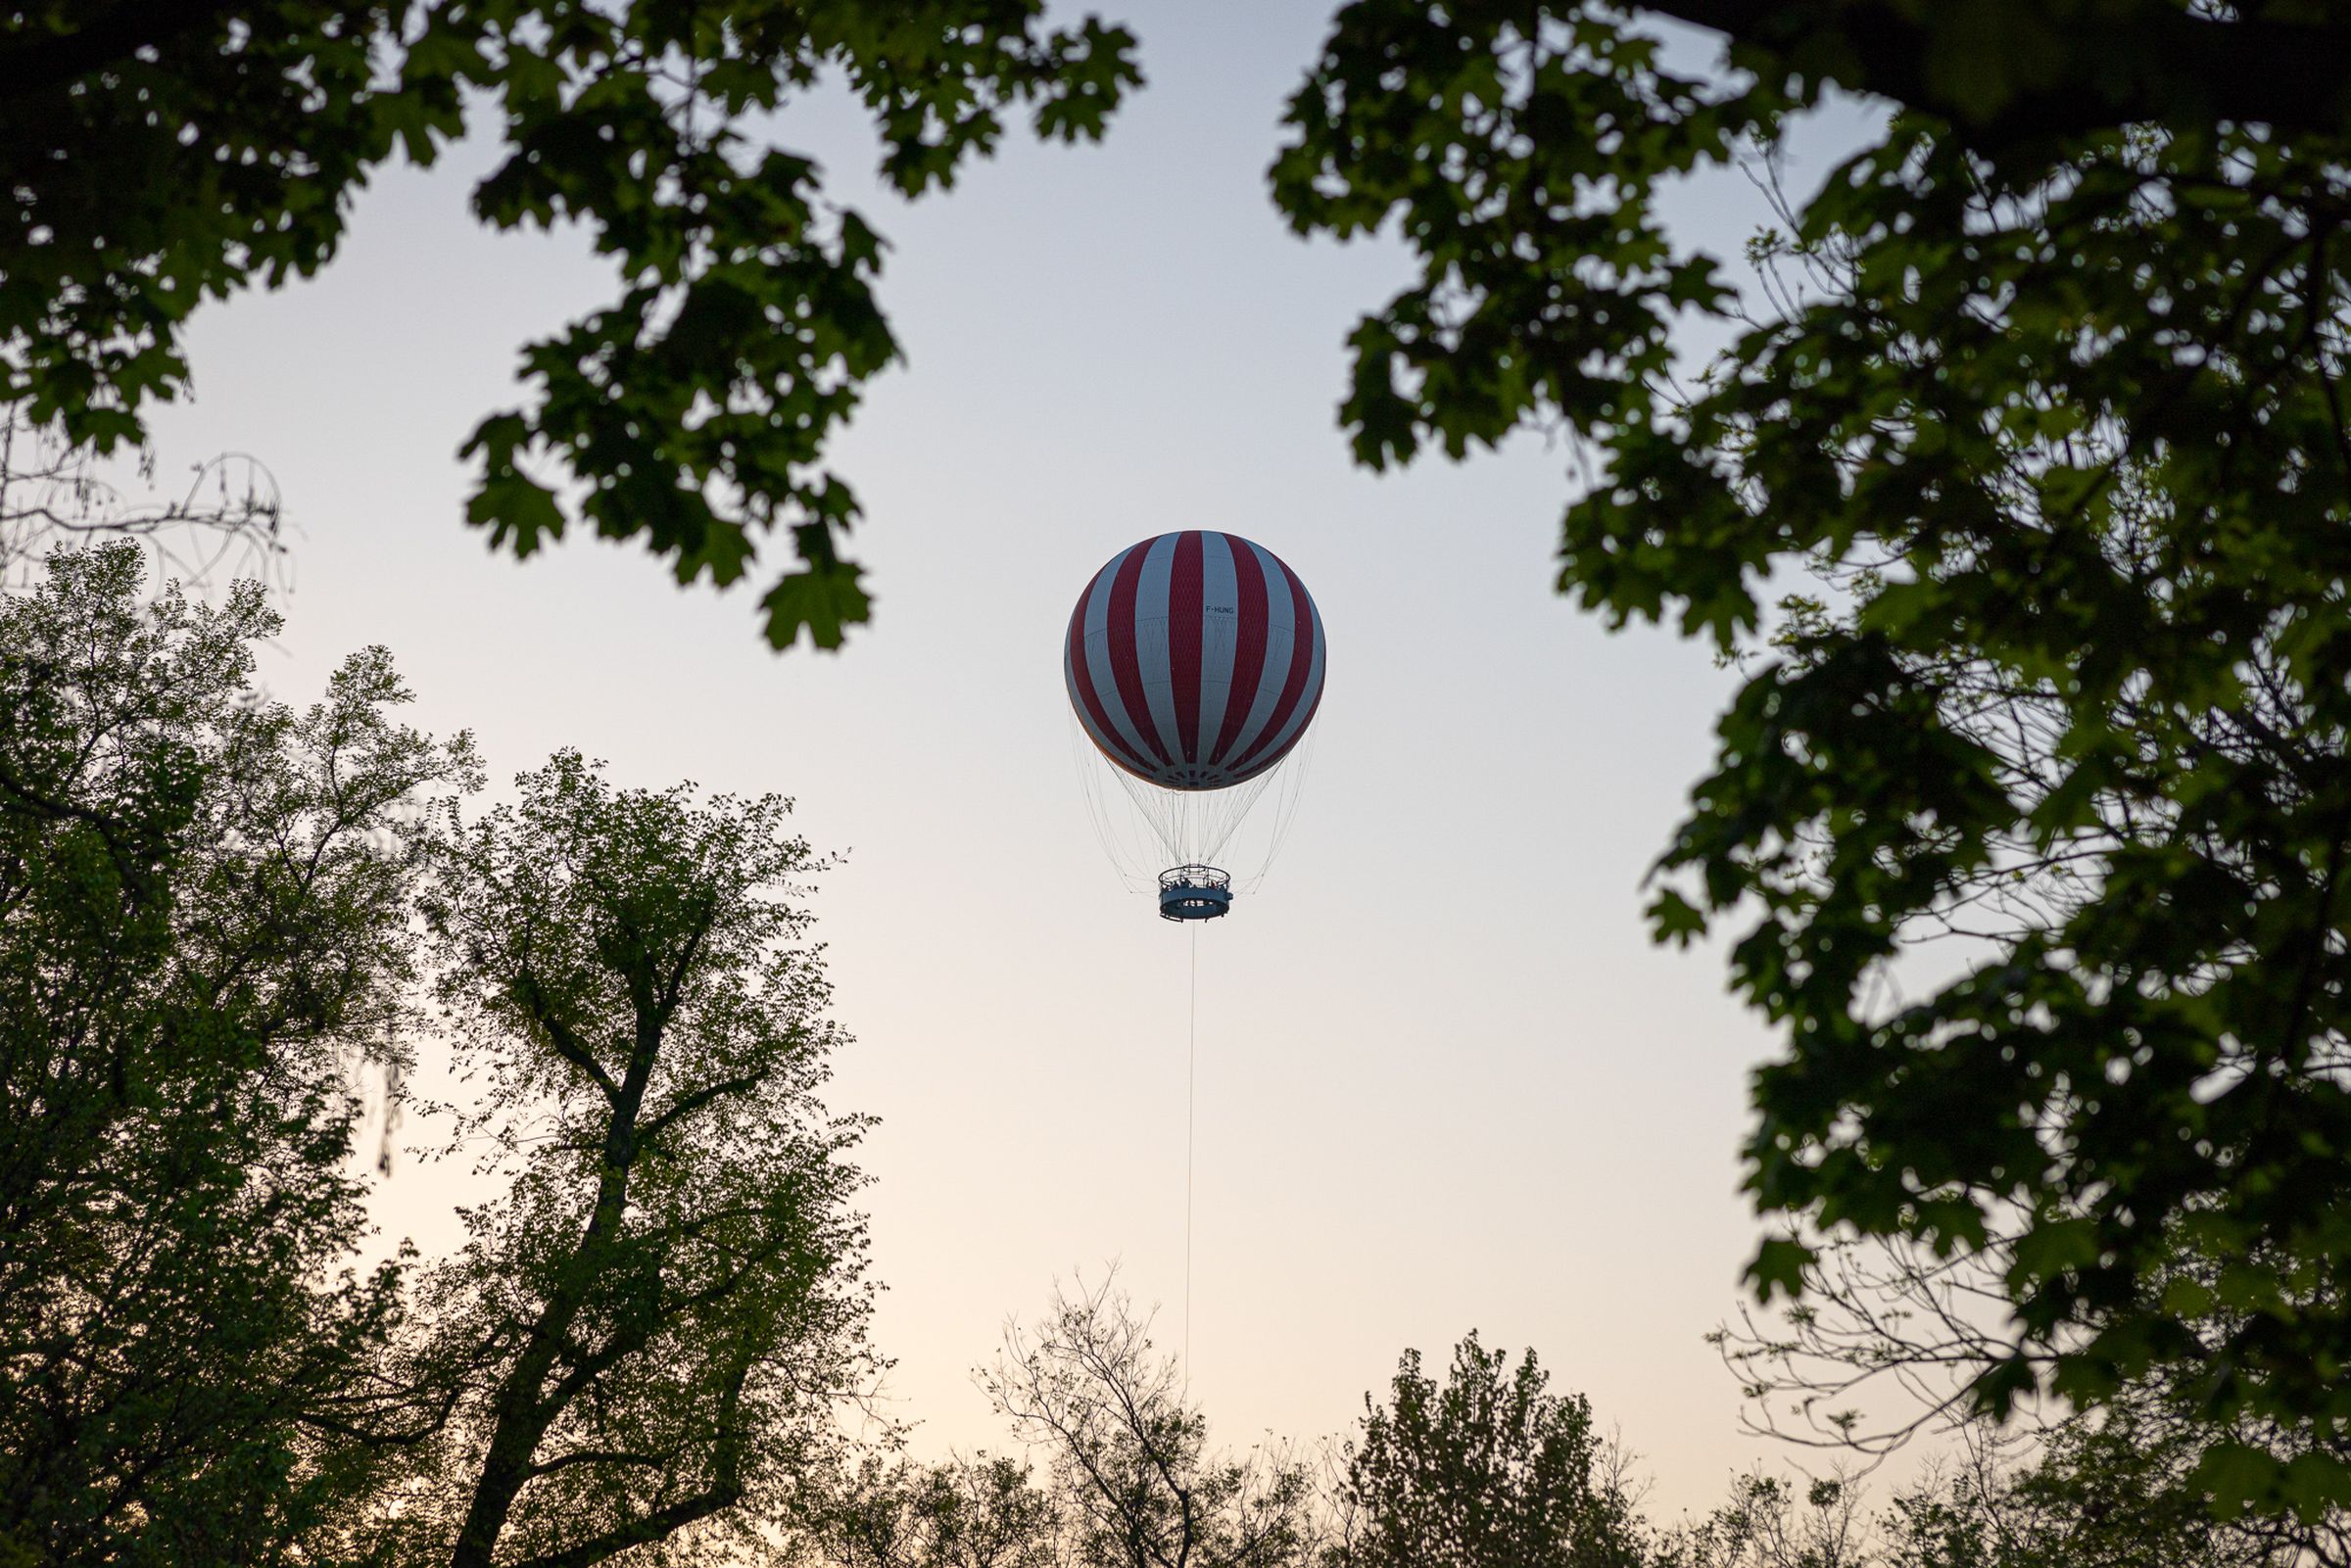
(1445,1081)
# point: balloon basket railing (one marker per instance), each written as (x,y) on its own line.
(1194,892)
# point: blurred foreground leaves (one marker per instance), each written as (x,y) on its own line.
(155,156)
(2041,389)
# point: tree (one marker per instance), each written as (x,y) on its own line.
(982,1512)
(161,153)
(2116,1489)
(2113,1489)
(2090,1494)
(2053,412)
(204,940)
(1764,1525)
(1133,1475)
(648,1333)
(1487,1471)
(2128,1482)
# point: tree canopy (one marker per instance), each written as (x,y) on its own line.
(205,936)
(1488,1469)
(2047,397)
(982,1512)
(647,1331)
(226,925)
(155,155)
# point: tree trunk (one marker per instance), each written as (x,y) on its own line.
(523,1413)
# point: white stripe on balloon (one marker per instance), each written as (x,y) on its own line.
(1280,637)
(1220,629)
(1151,642)
(1097,659)
(1306,694)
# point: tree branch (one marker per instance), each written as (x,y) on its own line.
(2160,63)
(655,1526)
(688,1104)
(598,1457)
(725,1489)
(567,1044)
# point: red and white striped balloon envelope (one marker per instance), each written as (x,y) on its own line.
(1195,660)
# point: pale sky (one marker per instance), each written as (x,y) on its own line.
(1444,1081)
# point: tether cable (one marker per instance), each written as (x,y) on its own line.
(1191,1072)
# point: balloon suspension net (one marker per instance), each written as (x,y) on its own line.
(1195,850)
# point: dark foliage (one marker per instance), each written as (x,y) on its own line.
(2054,412)
(160,152)
(204,940)
(650,1329)
(1486,1471)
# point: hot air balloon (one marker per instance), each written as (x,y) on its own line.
(1194,663)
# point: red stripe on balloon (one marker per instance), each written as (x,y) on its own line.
(1302,660)
(1082,689)
(1249,648)
(1126,661)
(1185,595)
